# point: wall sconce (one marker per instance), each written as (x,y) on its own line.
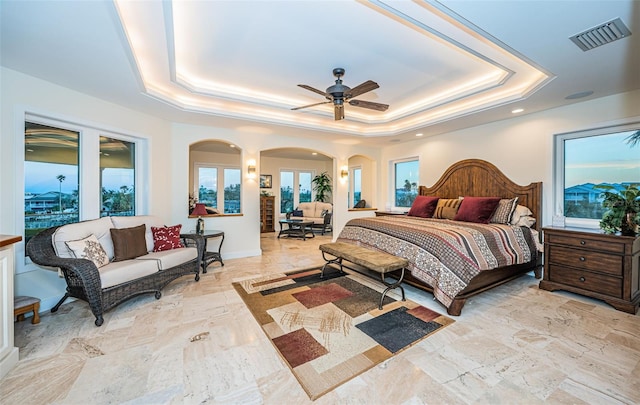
(251,168)
(344,173)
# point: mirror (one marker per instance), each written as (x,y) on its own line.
(215,177)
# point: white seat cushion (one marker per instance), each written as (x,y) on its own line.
(116,273)
(167,259)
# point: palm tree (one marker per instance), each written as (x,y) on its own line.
(61,178)
(634,139)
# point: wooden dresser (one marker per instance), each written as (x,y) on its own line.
(594,264)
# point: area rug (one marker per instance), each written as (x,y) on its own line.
(330,330)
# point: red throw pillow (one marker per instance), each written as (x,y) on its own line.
(166,238)
(423,206)
(477,209)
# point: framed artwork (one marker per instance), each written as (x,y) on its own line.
(265,181)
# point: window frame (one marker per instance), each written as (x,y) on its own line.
(558,169)
(90,198)
(220,168)
(392,187)
(352,185)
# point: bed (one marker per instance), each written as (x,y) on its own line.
(428,243)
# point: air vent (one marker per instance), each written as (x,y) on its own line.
(601,35)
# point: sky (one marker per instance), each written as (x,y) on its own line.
(600,159)
(41,178)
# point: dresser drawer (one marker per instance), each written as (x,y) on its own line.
(586,260)
(607,285)
(585,243)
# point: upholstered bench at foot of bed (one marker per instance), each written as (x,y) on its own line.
(373,260)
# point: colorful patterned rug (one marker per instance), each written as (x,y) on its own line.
(330,330)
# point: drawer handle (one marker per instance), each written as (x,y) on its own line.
(582,242)
(582,258)
(583,279)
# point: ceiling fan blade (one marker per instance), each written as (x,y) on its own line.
(338,112)
(363,88)
(310,105)
(369,104)
(322,93)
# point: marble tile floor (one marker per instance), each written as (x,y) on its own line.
(515,344)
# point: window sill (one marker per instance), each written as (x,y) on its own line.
(363,209)
(216,215)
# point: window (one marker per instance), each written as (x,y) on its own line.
(51,177)
(586,159)
(74,172)
(355,185)
(117,177)
(291,196)
(207,179)
(405,185)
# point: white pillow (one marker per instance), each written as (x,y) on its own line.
(89,248)
(521,211)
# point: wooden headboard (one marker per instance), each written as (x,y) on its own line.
(479,178)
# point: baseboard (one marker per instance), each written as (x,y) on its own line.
(241,254)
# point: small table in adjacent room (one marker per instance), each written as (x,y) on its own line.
(296,228)
(209,257)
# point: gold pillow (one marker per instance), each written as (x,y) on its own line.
(447,208)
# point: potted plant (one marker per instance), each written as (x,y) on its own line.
(623,207)
(322,186)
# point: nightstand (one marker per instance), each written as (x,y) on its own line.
(594,264)
(388,213)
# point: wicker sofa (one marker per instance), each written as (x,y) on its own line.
(114,281)
(320,213)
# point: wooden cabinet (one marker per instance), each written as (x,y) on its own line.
(594,264)
(267,213)
(8,352)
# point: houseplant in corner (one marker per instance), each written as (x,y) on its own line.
(623,207)
(322,186)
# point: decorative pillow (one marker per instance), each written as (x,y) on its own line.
(89,248)
(447,208)
(128,243)
(504,212)
(360,204)
(521,211)
(423,206)
(324,212)
(297,213)
(477,209)
(527,221)
(166,238)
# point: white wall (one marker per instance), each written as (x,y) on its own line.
(521,147)
(22,93)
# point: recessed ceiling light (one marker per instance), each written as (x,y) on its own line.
(232,145)
(579,95)
(314,153)
(29,150)
(517,110)
(420,134)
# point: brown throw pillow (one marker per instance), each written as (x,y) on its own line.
(128,243)
(447,208)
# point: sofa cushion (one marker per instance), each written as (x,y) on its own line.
(166,238)
(167,259)
(147,220)
(89,248)
(128,243)
(308,209)
(116,273)
(322,206)
(99,227)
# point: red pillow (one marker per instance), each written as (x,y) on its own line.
(423,206)
(477,209)
(166,238)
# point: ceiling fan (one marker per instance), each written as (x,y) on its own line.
(338,94)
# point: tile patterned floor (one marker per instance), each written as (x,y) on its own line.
(199,344)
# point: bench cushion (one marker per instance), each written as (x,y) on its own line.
(380,262)
(80,230)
